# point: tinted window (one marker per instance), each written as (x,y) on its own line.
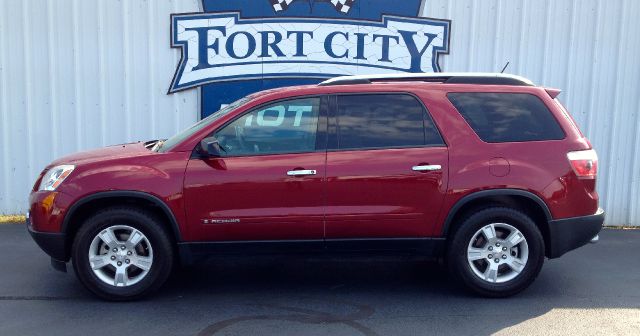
(381,121)
(283,127)
(507,117)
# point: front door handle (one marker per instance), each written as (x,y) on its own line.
(427,168)
(301,172)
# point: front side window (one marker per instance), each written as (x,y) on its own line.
(283,127)
(384,121)
(507,117)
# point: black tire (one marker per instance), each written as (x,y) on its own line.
(147,224)
(457,252)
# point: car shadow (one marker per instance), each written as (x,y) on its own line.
(393,295)
(314,295)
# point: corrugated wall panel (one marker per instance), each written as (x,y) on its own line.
(84,74)
(78,74)
(588,48)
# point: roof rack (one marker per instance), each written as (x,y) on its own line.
(436,77)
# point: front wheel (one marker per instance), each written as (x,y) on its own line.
(122,254)
(496,252)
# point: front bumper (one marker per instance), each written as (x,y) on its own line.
(570,233)
(53,244)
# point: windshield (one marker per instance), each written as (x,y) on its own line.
(165,145)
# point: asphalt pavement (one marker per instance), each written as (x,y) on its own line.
(593,290)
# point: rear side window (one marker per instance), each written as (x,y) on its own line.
(507,117)
(384,121)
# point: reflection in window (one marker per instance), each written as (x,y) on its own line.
(283,127)
(507,117)
(382,121)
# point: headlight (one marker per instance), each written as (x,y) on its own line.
(54,177)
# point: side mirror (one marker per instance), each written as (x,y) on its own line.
(211,147)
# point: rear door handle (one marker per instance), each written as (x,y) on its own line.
(427,168)
(301,172)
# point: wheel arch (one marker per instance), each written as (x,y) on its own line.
(522,200)
(84,207)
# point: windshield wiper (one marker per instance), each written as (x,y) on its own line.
(158,145)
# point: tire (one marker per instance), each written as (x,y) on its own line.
(147,264)
(494,267)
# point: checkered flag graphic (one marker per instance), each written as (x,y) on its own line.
(280,5)
(343,6)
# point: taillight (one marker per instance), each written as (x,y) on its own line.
(584,163)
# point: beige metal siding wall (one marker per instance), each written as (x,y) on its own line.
(82,74)
(87,73)
(588,48)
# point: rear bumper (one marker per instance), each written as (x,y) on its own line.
(570,233)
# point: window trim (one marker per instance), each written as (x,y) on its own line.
(553,115)
(332,127)
(320,132)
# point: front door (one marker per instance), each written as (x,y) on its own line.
(386,168)
(268,185)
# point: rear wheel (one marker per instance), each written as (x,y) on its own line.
(496,252)
(122,254)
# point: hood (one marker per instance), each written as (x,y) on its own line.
(103,154)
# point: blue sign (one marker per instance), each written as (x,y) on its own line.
(237,47)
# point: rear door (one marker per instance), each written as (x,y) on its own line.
(386,167)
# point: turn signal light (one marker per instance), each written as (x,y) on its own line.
(584,163)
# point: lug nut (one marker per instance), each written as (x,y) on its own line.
(504,248)
(497,244)
(128,252)
(122,247)
(115,249)
(490,248)
(113,257)
(120,263)
(127,261)
(496,260)
(490,256)
(504,256)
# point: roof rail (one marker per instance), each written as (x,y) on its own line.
(435,77)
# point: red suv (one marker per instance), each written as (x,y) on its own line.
(487,171)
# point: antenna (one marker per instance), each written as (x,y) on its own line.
(505,67)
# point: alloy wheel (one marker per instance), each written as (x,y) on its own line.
(497,253)
(120,256)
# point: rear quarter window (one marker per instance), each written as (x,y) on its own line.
(507,117)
